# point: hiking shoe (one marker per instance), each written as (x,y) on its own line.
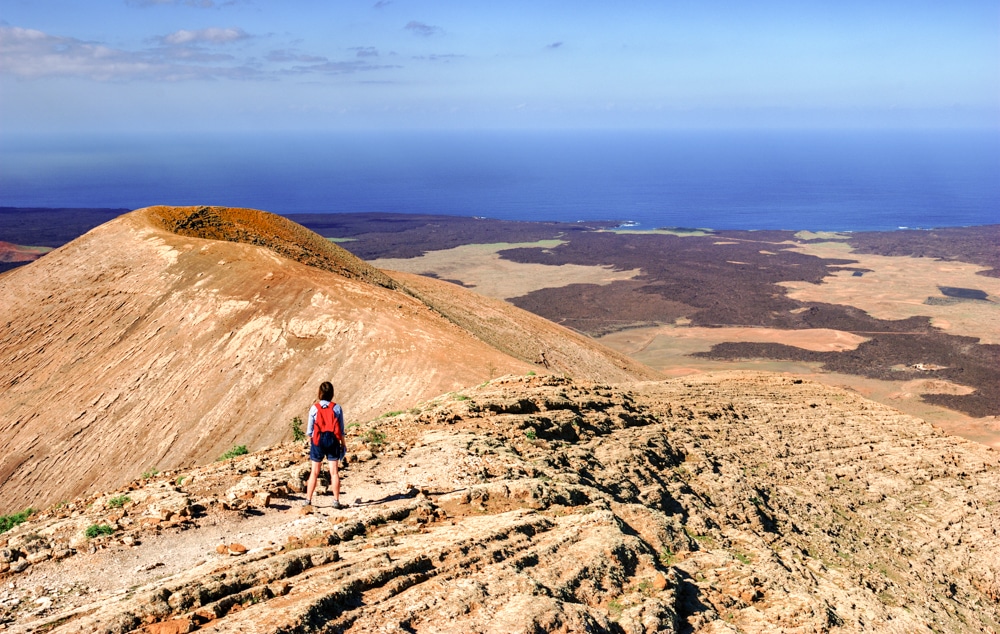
(337,505)
(306,503)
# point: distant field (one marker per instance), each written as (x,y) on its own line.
(480,267)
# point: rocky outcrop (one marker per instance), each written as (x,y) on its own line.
(730,502)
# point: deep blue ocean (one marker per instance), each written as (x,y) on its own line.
(832,180)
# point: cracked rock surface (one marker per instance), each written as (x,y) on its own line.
(732,502)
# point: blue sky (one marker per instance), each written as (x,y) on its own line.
(195,65)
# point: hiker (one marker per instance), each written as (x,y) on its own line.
(326,440)
(542,360)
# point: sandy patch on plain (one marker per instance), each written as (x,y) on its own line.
(897,287)
(480,267)
(640,341)
(670,355)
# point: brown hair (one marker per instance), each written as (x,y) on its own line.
(326,391)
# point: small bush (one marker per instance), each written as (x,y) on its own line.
(237,450)
(461,397)
(374,438)
(119,501)
(390,414)
(667,557)
(615,609)
(8,522)
(149,474)
(179,481)
(530,433)
(298,435)
(96,530)
(531,373)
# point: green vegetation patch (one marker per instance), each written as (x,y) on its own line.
(297,434)
(237,450)
(667,556)
(96,530)
(8,522)
(374,438)
(118,501)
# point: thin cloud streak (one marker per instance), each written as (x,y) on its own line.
(198,4)
(205,36)
(30,54)
(338,68)
(424,30)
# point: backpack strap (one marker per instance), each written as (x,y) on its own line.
(336,423)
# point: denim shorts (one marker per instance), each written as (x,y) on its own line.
(316,453)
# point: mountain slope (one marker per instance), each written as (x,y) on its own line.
(136,348)
(522,334)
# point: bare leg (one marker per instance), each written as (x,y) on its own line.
(335,479)
(316,466)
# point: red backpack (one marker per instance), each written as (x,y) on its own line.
(326,423)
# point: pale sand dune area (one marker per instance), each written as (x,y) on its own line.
(636,341)
(480,267)
(896,287)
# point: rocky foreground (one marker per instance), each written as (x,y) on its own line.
(720,503)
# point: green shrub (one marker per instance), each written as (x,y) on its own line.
(390,414)
(179,481)
(237,450)
(667,557)
(374,438)
(96,530)
(119,501)
(530,433)
(149,474)
(8,522)
(297,434)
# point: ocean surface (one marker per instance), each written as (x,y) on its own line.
(845,181)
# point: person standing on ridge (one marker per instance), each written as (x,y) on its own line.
(326,440)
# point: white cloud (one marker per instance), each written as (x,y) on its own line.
(180,56)
(32,54)
(205,36)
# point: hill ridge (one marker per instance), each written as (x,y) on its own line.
(133,320)
(262,228)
